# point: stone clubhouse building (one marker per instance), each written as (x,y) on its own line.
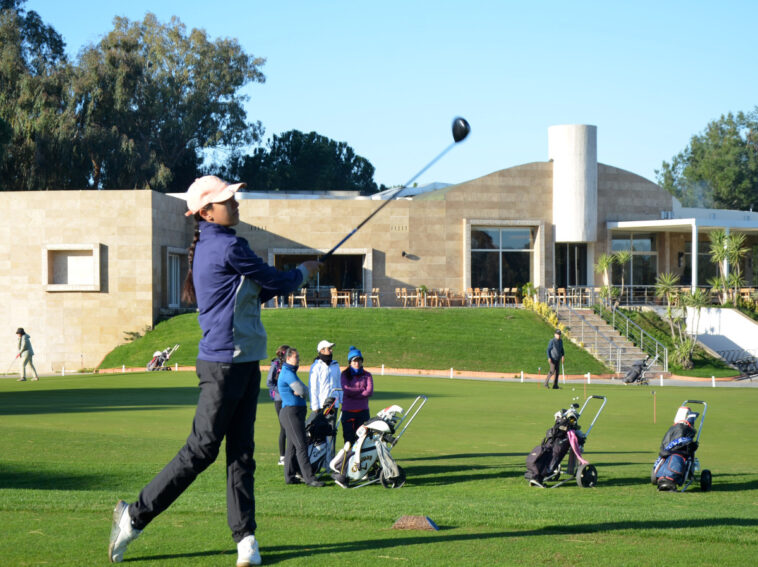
(82,268)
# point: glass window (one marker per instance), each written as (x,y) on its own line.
(485,269)
(516,239)
(643,269)
(621,242)
(485,239)
(570,264)
(501,257)
(174,280)
(643,242)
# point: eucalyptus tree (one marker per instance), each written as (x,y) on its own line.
(152,98)
(37,123)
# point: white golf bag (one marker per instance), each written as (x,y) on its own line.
(369,460)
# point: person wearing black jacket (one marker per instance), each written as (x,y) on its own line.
(555,356)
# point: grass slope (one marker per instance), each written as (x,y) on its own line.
(497,340)
(71,446)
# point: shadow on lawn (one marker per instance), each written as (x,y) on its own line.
(396,539)
(15,477)
(85,400)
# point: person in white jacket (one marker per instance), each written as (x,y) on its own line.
(324,376)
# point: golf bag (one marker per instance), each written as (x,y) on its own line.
(638,370)
(369,459)
(320,434)
(545,459)
(677,452)
(160,358)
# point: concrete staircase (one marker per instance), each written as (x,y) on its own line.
(602,341)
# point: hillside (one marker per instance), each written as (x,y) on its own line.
(495,340)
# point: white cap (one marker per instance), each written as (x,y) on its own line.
(323,344)
(209,189)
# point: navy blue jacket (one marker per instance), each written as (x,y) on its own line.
(231,282)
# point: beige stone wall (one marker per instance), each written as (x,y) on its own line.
(429,228)
(75,329)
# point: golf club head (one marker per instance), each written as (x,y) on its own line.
(461,129)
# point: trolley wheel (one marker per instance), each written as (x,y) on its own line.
(395,482)
(586,476)
(706,480)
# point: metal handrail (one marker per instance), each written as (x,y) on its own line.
(653,346)
(614,350)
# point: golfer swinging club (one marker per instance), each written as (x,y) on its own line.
(228,282)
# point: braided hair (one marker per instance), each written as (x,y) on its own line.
(188,288)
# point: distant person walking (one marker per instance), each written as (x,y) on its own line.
(555,357)
(25,352)
(357,387)
(273,389)
(229,283)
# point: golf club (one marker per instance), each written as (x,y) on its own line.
(461,129)
(11,364)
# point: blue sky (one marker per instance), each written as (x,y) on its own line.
(389,77)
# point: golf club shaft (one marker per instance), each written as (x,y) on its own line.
(387,202)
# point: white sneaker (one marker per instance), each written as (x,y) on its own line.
(122,532)
(281,461)
(247,552)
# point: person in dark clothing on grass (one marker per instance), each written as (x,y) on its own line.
(555,357)
(228,282)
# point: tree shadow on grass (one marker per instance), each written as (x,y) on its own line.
(398,539)
(15,477)
(86,400)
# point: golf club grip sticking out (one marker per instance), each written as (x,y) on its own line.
(461,129)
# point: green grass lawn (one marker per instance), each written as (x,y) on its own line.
(71,446)
(496,340)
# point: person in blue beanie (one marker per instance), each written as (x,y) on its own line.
(357,387)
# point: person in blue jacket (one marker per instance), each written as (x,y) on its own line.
(229,283)
(272,381)
(292,418)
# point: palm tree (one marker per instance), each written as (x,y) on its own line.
(665,287)
(603,265)
(623,258)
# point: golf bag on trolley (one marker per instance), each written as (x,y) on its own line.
(160,358)
(677,464)
(321,434)
(369,459)
(545,459)
(543,464)
(637,373)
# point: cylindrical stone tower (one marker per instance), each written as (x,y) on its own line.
(573,150)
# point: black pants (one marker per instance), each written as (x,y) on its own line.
(351,421)
(296,459)
(226,408)
(553,372)
(282,433)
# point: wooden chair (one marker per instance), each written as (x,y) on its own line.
(300,296)
(433,298)
(443,297)
(485,296)
(372,297)
(469,296)
(561,296)
(338,296)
